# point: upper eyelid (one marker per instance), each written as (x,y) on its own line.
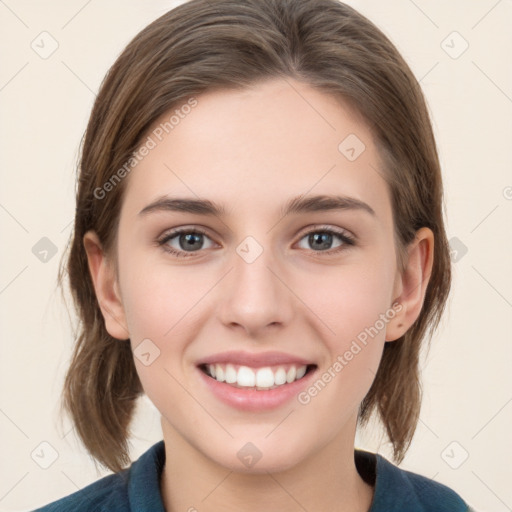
(168,235)
(325,227)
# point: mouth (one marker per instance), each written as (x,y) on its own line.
(264,378)
(255,381)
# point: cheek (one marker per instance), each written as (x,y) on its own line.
(161,306)
(352,307)
(159,300)
(350,299)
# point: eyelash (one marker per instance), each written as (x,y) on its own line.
(347,240)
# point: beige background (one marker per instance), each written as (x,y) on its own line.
(45,103)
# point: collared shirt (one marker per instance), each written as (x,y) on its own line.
(137,488)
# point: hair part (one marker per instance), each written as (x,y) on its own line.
(206,45)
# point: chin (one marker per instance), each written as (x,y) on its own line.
(260,456)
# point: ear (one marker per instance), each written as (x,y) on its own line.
(411,285)
(106,287)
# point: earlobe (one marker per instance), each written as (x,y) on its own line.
(411,284)
(106,287)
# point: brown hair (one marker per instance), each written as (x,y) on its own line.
(214,44)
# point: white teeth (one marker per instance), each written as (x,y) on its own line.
(245,377)
(292,373)
(301,371)
(280,376)
(264,378)
(261,378)
(219,373)
(230,374)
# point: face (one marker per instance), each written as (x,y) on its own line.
(258,291)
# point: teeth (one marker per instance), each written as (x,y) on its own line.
(292,373)
(219,373)
(245,377)
(301,371)
(264,378)
(279,377)
(231,375)
(261,378)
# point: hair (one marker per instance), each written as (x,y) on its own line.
(203,45)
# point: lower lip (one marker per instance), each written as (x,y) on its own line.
(252,399)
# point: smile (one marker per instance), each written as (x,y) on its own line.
(261,379)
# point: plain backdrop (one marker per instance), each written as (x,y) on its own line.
(54,55)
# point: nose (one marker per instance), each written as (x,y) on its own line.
(255,296)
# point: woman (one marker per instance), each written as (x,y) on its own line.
(259,247)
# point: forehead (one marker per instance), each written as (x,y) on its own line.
(257,147)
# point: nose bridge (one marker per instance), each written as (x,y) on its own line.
(255,298)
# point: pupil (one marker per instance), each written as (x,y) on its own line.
(189,239)
(321,240)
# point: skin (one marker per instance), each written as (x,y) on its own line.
(252,151)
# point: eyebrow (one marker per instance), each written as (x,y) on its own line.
(299,204)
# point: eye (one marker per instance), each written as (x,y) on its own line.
(322,240)
(183,242)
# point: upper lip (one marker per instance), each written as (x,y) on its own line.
(254,359)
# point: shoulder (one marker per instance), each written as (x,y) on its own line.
(397,489)
(135,488)
(427,494)
(107,494)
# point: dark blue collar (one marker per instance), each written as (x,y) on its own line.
(396,490)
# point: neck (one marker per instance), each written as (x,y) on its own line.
(327,480)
